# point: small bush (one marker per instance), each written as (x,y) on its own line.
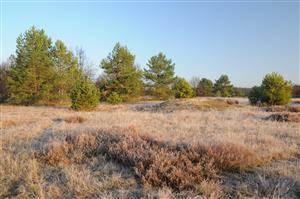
(274,90)
(84,96)
(114,98)
(182,88)
(255,95)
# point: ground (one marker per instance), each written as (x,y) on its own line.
(201,147)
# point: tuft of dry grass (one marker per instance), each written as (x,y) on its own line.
(75,119)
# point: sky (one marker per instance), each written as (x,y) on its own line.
(243,39)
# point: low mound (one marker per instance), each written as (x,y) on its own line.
(157,163)
(284,117)
(200,104)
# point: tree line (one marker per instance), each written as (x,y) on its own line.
(42,72)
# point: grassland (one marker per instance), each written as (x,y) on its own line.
(201,147)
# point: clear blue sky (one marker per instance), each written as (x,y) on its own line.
(245,40)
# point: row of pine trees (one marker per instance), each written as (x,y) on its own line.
(42,72)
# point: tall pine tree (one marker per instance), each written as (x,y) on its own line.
(122,76)
(32,75)
(160,76)
(67,71)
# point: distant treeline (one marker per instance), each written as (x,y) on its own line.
(42,72)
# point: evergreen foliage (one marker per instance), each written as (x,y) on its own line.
(122,76)
(67,71)
(31,78)
(181,88)
(84,96)
(114,98)
(160,76)
(223,87)
(204,88)
(274,90)
(255,95)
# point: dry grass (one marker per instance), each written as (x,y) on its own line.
(128,153)
(75,119)
(7,123)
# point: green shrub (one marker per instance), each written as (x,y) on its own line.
(84,96)
(182,88)
(274,90)
(114,98)
(255,95)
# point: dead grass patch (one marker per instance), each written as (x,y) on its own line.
(75,119)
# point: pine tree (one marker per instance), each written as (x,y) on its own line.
(223,87)
(204,87)
(160,76)
(67,71)
(122,76)
(31,77)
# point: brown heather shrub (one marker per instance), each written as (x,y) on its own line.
(55,151)
(75,119)
(72,149)
(160,164)
(284,117)
(294,109)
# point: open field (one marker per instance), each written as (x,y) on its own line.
(202,147)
